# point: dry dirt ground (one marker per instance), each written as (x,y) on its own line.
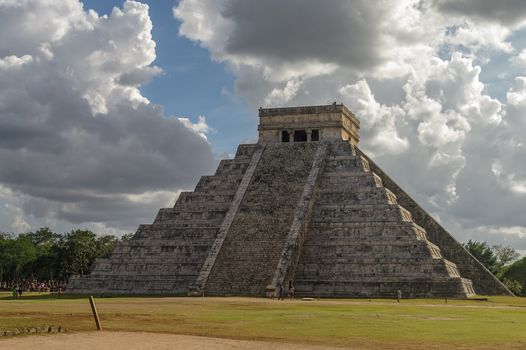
(142,341)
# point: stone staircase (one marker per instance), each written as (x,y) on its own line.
(294,243)
(166,256)
(250,253)
(361,243)
(197,288)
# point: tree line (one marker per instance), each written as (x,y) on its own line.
(503,262)
(50,257)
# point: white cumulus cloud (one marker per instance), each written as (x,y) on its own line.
(79,143)
(428,79)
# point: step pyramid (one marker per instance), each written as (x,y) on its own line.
(304,206)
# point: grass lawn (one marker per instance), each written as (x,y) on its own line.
(499,323)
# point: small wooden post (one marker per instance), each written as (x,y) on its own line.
(95,313)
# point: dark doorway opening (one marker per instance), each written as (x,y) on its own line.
(285,136)
(300,136)
(315,136)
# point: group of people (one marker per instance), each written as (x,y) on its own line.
(35,286)
(17,291)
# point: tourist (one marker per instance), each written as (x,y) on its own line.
(15,292)
(291,290)
(398,295)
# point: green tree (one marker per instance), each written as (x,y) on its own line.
(44,266)
(516,272)
(483,253)
(4,261)
(81,250)
(43,237)
(105,245)
(513,285)
(17,254)
(505,255)
(127,236)
(61,260)
(44,255)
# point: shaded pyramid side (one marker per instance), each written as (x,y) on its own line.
(166,256)
(361,242)
(484,282)
(252,248)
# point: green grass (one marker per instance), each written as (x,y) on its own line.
(497,323)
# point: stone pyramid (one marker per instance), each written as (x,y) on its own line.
(304,205)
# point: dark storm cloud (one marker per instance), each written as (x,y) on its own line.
(507,12)
(337,31)
(54,148)
(114,211)
(78,143)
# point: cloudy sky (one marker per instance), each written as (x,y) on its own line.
(109,108)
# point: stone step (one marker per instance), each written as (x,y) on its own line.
(194,208)
(357,260)
(183,224)
(357,213)
(231,167)
(377,195)
(355,182)
(198,198)
(373,246)
(180,215)
(326,232)
(212,183)
(245,151)
(174,246)
(341,148)
(346,164)
(410,288)
(373,273)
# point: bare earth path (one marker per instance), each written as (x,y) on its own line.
(143,341)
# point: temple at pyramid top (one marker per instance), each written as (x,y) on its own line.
(308,124)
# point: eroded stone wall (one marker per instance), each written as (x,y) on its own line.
(484,282)
(361,242)
(166,256)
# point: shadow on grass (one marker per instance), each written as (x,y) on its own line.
(56,296)
(43,296)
